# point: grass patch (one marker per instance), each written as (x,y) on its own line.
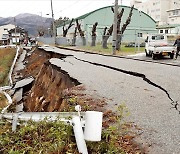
(56,137)
(123,52)
(6,59)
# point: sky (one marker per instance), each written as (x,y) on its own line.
(62,8)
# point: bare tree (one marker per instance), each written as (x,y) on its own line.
(41,30)
(93,43)
(81,32)
(65,30)
(74,37)
(123,28)
(119,32)
(79,28)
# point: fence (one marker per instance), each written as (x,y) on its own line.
(132,37)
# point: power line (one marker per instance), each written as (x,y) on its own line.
(70,5)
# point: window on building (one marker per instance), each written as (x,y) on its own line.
(175,12)
(166,31)
(157,10)
(161,31)
(139,34)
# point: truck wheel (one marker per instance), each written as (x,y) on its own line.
(153,56)
(171,55)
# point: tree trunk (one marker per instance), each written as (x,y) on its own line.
(118,42)
(83,41)
(74,41)
(93,43)
(104,41)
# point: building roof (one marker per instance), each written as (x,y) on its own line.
(87,14)
(9,26)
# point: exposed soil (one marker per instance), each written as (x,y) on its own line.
(3,101)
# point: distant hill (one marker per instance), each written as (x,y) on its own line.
(30,22)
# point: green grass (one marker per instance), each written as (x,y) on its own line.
(6,59)
(123,52)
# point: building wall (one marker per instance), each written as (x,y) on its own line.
(4,33)
(160,10)
(155,8)
(140,23)
(174,12)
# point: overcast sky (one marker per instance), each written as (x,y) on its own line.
(62,8)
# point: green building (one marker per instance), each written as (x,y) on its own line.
(141,24)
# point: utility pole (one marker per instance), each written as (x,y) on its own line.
(115,28)
(54,28)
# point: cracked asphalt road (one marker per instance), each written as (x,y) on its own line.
(150,107)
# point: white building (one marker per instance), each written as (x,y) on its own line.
(4,34)
(174,13)
(162,11)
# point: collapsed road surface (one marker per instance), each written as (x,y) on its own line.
(149,90)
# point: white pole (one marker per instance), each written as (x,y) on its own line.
(79,136)
(14,122)
(115,27)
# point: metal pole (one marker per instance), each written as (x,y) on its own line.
(139,33)
(54,28)
(135,40)
(115,28)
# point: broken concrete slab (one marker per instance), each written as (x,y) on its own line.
(18,95)
(19,65)
(19,107)
(27,48)
(22,56)
(23,82)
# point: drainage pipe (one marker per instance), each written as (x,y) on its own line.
(13,65)
(79,135)
(93,126)
(2,89)
(9,101)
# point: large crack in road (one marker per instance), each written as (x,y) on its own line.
(174,103)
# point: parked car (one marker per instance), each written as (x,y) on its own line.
(142,44)
(131,44)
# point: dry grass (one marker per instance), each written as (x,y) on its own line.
(6,59)
(3,101)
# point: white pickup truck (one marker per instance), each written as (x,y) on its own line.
(158,45)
